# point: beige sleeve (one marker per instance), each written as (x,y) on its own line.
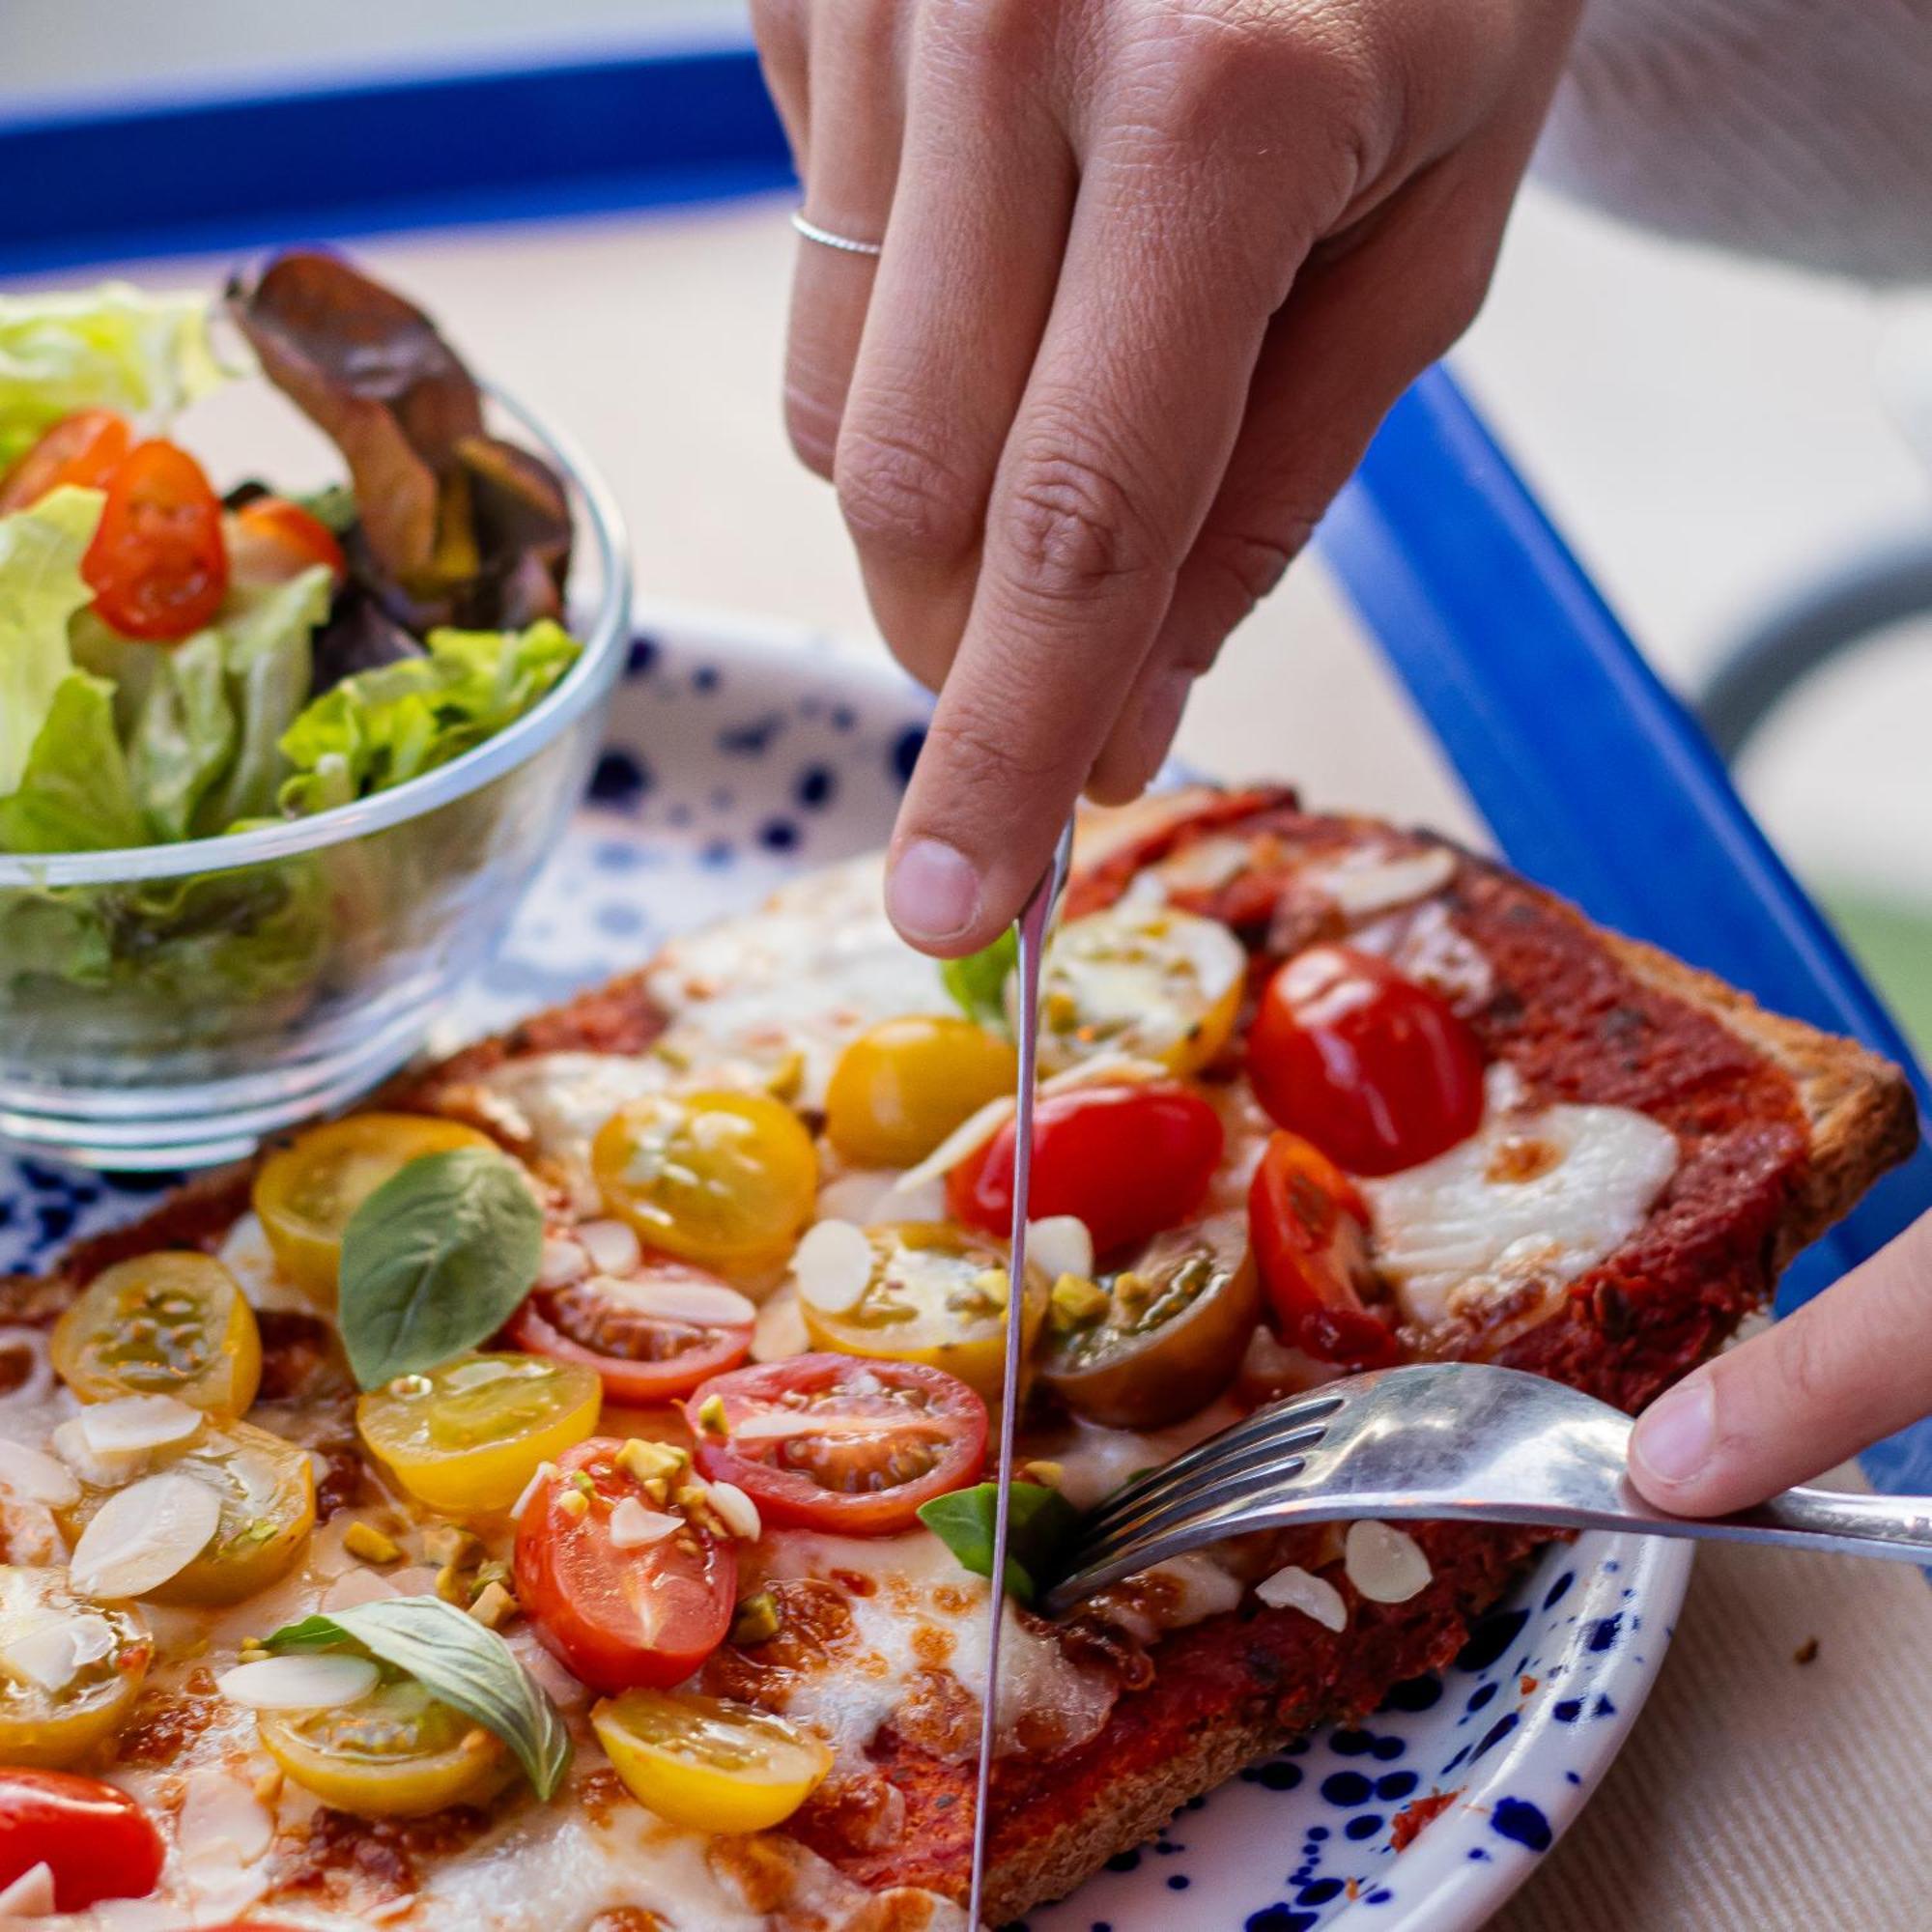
(1800,128)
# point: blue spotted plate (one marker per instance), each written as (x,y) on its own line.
(740,753)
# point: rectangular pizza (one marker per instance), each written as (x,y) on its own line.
(555,1497)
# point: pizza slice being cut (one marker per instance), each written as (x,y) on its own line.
(554,1499)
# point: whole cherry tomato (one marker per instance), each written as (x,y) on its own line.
(157,565)
(1309,1231)
(1376,1071)
(97,1842)
(85,448)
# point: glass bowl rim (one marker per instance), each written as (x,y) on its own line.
(608,633)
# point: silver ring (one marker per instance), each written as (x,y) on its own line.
(811,232)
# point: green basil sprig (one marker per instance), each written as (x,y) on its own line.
(434,1261)
(454,1658)
(978,982)
(1039,1521)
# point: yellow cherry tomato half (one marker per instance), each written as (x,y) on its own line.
(70,1669)
(708,1762)
(468,1437)
(306,1192)
(724,1178)
(396,1752)
(935,1295)
(1144,981)
(266,1490)
(901,1088)
(171,1324)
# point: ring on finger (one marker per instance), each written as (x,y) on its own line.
(826,238)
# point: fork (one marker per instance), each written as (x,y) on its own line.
(1461,1440)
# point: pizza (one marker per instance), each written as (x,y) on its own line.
(555,1496)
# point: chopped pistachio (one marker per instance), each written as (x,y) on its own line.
(711,1416)
(994,1286)
(475,1739)
(1050,1475)
(365,1540)
(756,1620)
(1075,1300)
(494,1607)
(643,1460)
(448,1544)
(579,1481)
(656,1490)
(574,1502)
(491,1572)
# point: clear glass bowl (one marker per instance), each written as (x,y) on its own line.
(168,1007)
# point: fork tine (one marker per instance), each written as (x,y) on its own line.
(1264,1432)
(1208,1481)
(1161,1518)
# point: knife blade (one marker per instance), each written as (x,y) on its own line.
(1032,927)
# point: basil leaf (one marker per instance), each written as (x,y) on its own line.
(453,1658)
(978,982)
(1039,1522)
(434,1261)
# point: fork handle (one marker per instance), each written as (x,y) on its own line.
(1896,1526)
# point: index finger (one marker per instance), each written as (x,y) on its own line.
(1121,437)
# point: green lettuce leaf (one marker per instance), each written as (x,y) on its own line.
(113,347)
(978,982)
(384,726)
(75,794)
(41,587)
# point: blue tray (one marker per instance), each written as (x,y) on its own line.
(1592,776)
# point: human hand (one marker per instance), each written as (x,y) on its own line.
(1153,272)
(1831,1379)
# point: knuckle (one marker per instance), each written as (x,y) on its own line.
(980,758)
(812,426)
(902,499)
(1249,563)
(1075,526)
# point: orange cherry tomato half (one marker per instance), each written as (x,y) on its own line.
(651,1337)
(98,1842)
(1377,1072)
(841,1443)
(1129,1161)
(157,565)
(1308,1231)
(621,1619)
(85,448)
(270,540)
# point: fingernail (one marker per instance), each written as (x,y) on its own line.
(933,893)
(1675,1435)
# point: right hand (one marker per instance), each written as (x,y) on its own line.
(1153,272)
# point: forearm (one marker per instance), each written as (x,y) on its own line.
(1800,128)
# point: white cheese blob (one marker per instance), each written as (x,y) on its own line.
(1369,879)
(1532,1195)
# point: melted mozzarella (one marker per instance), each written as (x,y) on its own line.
(1531,1197)
(246,1255)
(1369,879)
(814,965)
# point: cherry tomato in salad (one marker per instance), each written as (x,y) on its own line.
(1376,1071)
(270,540)
(837,1443)
(1129,1161)
(85,448)
(621,1614)
(652,1337)
(157,565)
(1309,1231)
(97,1842)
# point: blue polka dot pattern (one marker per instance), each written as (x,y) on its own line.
(730,765)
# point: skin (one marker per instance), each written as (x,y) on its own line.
(1153,272)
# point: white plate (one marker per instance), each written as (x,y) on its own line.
(739,754)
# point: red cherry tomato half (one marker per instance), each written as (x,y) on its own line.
(1308,1231)
(840,1443)
(1128,1160)
(620,1619)
(85,448)
(157,565)
(97,1841)
(270,540)
(1377,1072)
(633,1333)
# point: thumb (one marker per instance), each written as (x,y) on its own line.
(1845,1370)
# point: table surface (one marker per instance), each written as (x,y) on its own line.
(1757,1792)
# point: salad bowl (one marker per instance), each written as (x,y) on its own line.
(169,1005)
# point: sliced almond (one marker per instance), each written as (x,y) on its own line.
(1384,1563)
(736,1511)
(31,1895)
(680,1298)
(1294,1588)
(612,1245)
(53,1653)
(561,1261)
(632,1526)
(136,1425)
(143,1535)
(1060,1244)
(31,1476)
(311,1681)
(833,1267)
